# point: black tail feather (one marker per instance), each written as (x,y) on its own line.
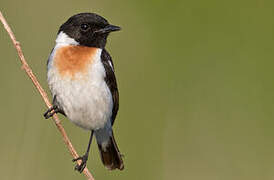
(110,155)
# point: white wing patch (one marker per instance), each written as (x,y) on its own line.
(109,62)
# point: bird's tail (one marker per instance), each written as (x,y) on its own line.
(110,154)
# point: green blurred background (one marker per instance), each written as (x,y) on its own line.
(195,81)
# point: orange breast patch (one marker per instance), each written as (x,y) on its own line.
(70,60)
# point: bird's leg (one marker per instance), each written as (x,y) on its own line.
(84,158)
(49,113)
(54,109)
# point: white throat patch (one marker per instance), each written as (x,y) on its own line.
(64,39)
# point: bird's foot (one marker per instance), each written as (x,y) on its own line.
(51,111)
(83,164)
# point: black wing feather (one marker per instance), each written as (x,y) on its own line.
(111,82)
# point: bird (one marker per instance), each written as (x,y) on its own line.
(80,75)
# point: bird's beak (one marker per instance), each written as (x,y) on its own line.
(109,28)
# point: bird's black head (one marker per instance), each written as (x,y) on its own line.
(88,29)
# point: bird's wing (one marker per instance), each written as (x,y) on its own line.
(111,82)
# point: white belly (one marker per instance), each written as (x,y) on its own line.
(86,98)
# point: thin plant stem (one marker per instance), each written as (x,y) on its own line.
(44,95)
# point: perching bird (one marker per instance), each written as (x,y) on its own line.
(82,81)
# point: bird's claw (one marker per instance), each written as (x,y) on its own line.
(49,113)
(83,164)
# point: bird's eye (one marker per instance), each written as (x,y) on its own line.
(84,27)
